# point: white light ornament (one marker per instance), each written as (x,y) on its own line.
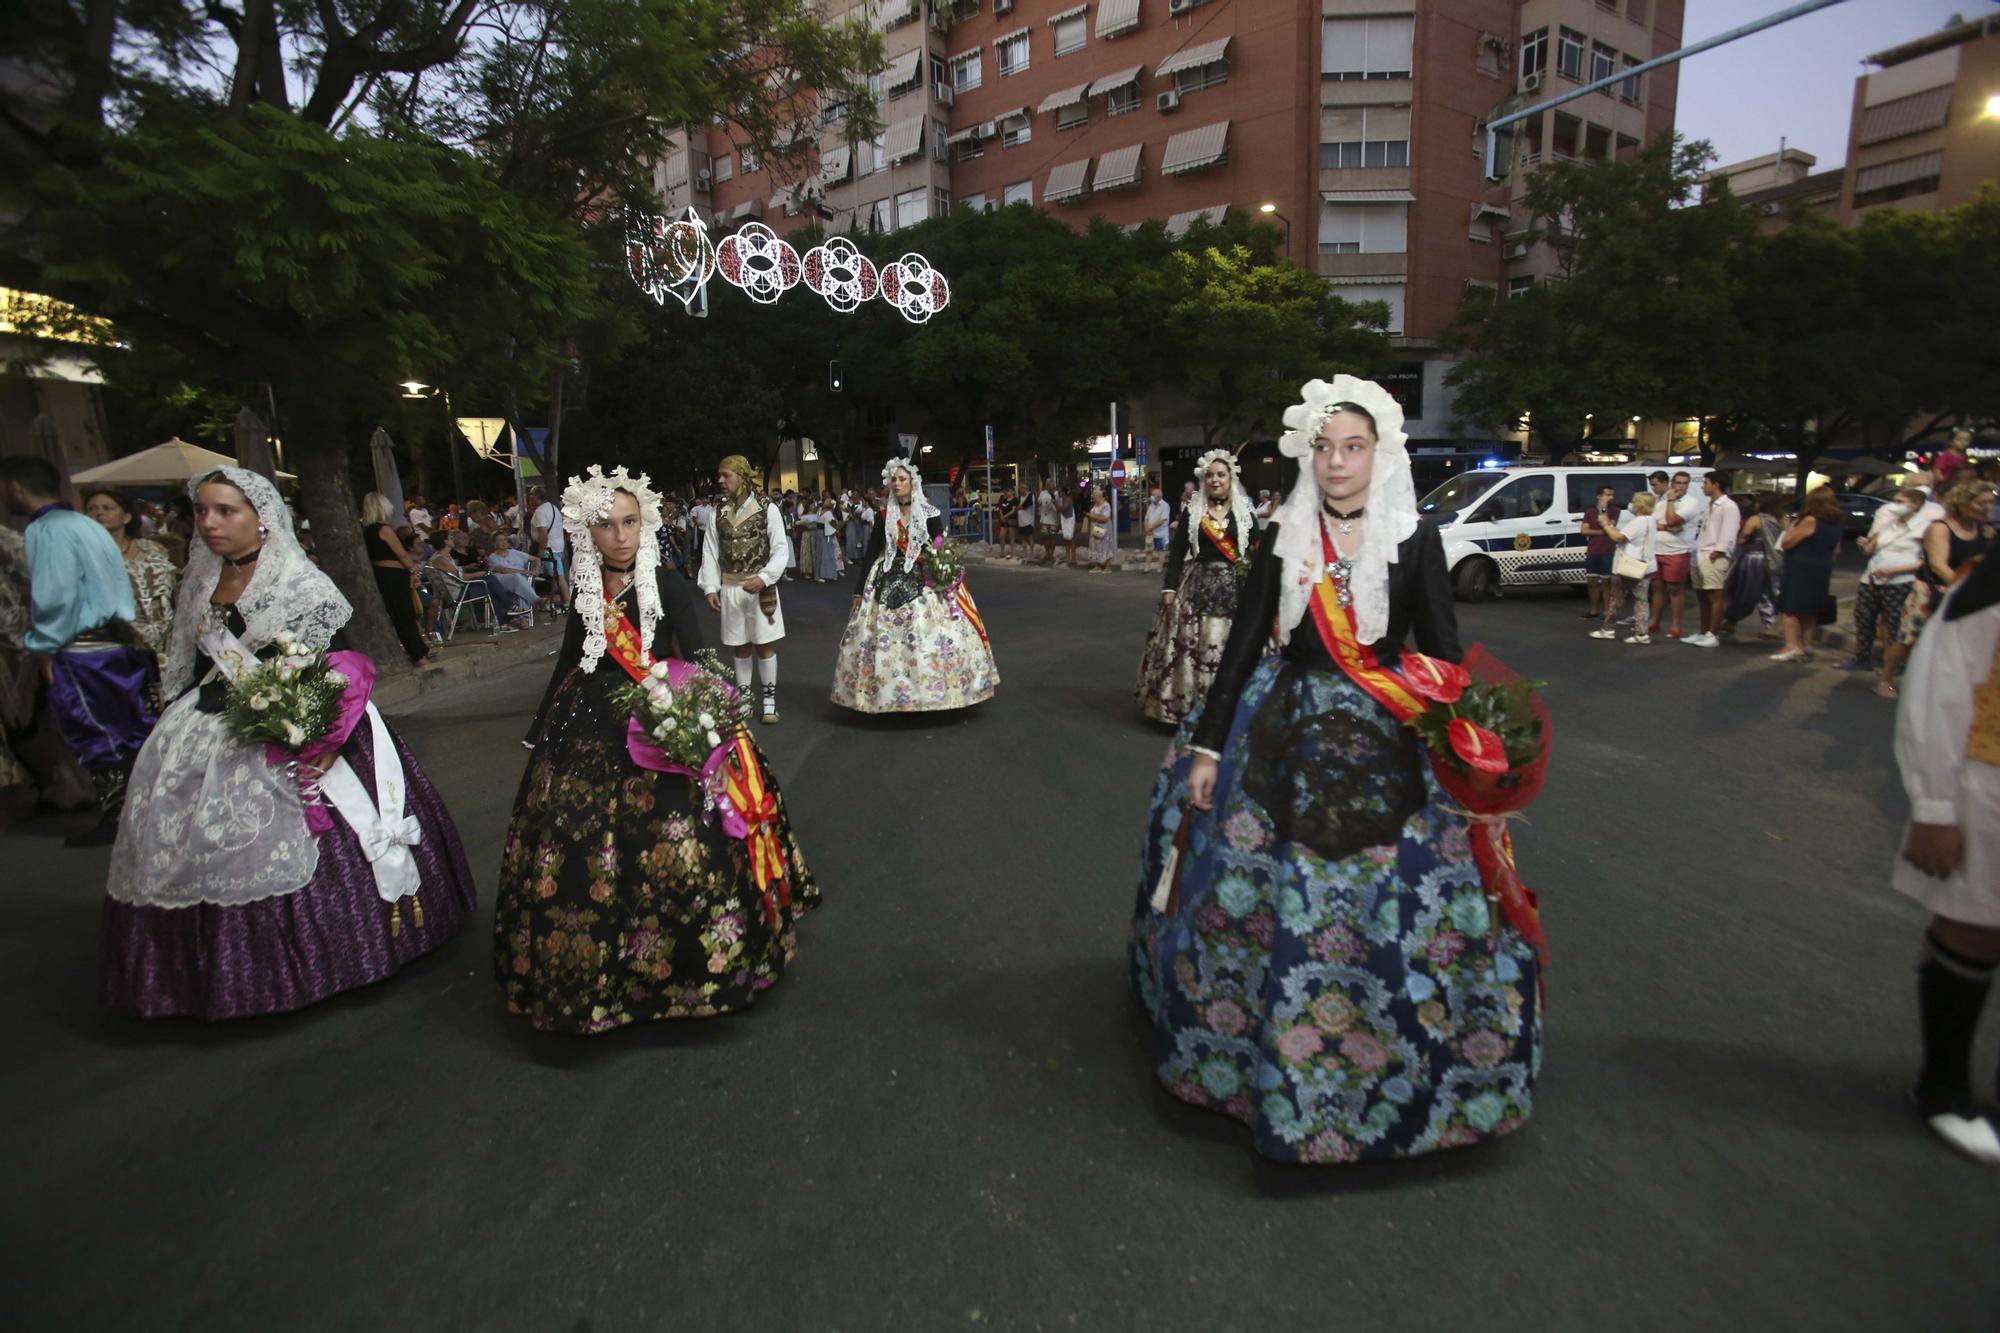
(670,258)
(759,261)
(841,274)
(917,290)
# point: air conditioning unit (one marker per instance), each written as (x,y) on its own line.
(939,23)
(1003,6)
(943,93)
(1516,250)
(989,129)
(1530,82)
(1770,210)
(1168,101)
(1179,6)
(702,180)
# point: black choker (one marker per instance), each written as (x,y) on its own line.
(238,561)
(619,569)
(1344,518)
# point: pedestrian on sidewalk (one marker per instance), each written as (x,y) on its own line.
(1753,579)
(1895,549)
(1714,549)
(394,562)
(1948,749)
(1066,518)
(1024,523)
(1103,536)
(1810,545)
(1048,520)
(1600,544)
(1951,544)
(1158,516)
(1633,568)
(1004,527)
(1679,519)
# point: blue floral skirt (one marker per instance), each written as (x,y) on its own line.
(1330,973)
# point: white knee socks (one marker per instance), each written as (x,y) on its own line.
(742,673)
(767,670)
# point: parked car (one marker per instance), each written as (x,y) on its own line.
(1523,526)
(1860,507)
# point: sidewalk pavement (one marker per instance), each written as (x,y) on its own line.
(473,652)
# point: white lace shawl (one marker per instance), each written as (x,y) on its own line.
(1391,506)
(208,819)
(919,511)
(584,501)
(287,592)
(1239,503)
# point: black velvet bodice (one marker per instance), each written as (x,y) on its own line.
(894,586)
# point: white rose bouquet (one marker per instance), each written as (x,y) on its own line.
(291,700)
(682,713)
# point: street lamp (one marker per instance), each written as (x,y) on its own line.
(1271,210)
(1993,106)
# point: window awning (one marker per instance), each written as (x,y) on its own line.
(1366,280)
(1113,82)
(1066,181)
(1906,115)
(1067,97)
(904,68)
(894,12)
(1900,172)
(1069,13)
(749,208)
(1116,16)
(782,200)
(1118,169)
(1489,211)
(905,139)
(1178,224)
(954,140)
(1006,37)
(1018,113)
(1376,197)
(1192,150)
(1194,57)
(833,164)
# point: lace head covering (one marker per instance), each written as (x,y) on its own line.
(918,511)
(584,501)
(1239,503)
(287,593)
(1391,505)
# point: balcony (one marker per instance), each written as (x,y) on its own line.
(1367,92)
(1364,178)
(1394,265)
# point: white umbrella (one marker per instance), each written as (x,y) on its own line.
(253,445)
(169,464)
(382,452)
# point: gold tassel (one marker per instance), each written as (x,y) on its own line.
(395,920)
(417,910)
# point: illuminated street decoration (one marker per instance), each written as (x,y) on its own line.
(759,261)
(841,274)
(670,258)
(916,289)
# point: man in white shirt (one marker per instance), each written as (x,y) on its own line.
(545,531)
(508,581)
(418,515)
(1948,749)
(1714,548)
(1678,520)
(1158,516)
(745,550)
(1048,522)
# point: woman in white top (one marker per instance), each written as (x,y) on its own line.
(1632,569)
(1895,547)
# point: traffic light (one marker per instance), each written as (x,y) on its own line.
(833,380)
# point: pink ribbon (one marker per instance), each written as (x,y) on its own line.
(360,672)
(647,754)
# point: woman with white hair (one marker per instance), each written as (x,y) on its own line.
(233,891)
(1208,552)
(1312,940)
(396,574)
(622,899)
(910,647)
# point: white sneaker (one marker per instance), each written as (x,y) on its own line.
(1604,634)
(1702,641)
(1638,638)
(1974,1137)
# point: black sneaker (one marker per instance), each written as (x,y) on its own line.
(770,713)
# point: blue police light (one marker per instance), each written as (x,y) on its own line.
(1491,462)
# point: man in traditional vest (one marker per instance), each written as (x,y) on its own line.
(744,552)
(1948,747)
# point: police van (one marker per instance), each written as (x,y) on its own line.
(1522,525)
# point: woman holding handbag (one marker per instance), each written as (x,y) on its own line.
(1103,542)
(1810,545)
(1631,570)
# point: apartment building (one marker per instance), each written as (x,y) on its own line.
(1925,131)
(1777,186)
(1357,122)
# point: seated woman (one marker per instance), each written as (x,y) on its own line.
(620,899)
(910,648)
(1325,966)
(222,900)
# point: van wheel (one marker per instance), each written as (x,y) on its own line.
(1474,580)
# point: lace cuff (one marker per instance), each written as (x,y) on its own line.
(1204,750)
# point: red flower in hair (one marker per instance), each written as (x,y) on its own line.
(1477,746)
(1439,681)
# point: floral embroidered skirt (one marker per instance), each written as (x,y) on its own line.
(910,656)
(1186,642)
(619,900)
(1330,974)
(287,951)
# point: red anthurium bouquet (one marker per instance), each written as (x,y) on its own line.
(1489,733)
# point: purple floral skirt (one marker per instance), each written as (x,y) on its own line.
(292,950)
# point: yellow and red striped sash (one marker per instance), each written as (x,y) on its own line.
(622,641)
(743,782)
(1217,534)
(963,596)
(1336,630)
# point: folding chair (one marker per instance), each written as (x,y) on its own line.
(461,593)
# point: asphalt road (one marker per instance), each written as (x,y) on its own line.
(943,1117)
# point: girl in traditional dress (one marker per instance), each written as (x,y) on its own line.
(154,577)
(1324,966)
(825,544)
(222,901)
(1198,597)
(910,648)
(621,899)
